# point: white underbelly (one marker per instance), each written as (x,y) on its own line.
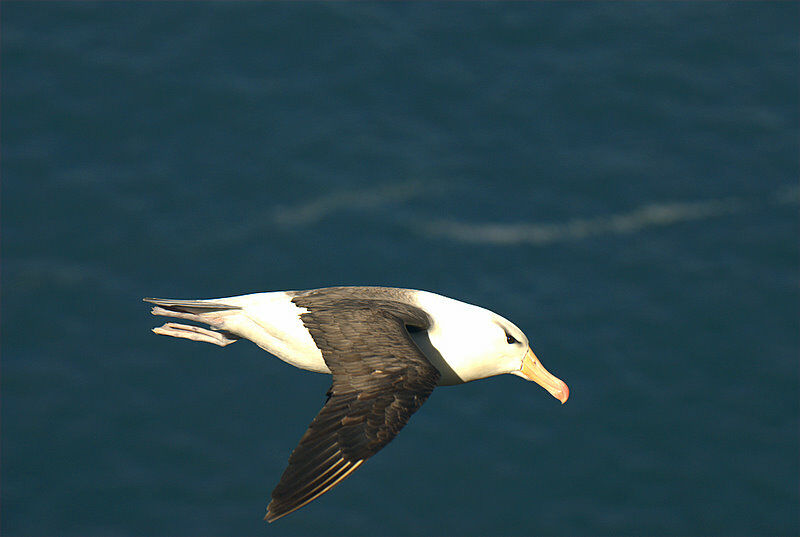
(272,321)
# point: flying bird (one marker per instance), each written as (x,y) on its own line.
(386,348)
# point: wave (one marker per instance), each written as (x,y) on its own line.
(641,218)
(314,210)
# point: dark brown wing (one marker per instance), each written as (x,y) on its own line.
(380,378)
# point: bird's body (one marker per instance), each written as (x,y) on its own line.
(386,348)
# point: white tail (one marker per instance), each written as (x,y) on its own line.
(270,320)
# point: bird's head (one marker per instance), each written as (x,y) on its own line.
(477,343)
(513,349)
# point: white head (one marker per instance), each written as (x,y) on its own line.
(476,343)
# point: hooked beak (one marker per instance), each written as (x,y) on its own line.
(532,369)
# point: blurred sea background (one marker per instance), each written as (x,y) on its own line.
(618,179)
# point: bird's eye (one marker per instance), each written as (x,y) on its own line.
(510,339)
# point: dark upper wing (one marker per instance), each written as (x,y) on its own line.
(380,378)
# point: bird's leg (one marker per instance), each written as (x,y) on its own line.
(204,318)
(195,333)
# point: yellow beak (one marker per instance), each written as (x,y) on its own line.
(532,369)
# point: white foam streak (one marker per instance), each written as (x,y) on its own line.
(317,209)
(644,217)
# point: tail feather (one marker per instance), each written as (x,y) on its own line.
(191,306)
(235,317)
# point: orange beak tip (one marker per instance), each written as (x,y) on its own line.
(532,369)
(564,393)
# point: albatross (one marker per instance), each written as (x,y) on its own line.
(386,349)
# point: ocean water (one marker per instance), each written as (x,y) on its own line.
(618,179)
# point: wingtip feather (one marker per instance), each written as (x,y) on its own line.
(271,517)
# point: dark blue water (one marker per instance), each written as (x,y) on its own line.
(619,179)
